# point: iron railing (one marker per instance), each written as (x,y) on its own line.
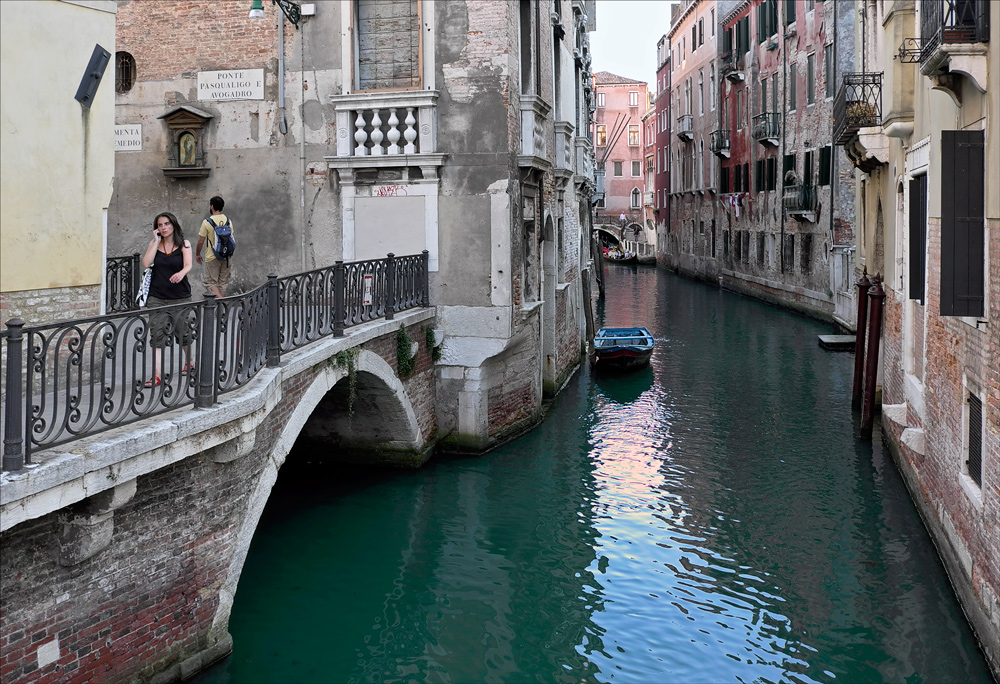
(731,66)
(67,380)
(122,276)
(766,126)
(798,199)
(858,105)
(952,21)
(719,140)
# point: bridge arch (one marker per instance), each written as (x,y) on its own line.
(378,386)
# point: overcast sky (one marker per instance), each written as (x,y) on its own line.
(626,36)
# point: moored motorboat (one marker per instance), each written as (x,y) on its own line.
(622,348)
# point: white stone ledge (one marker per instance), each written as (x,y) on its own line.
(95,464)
(776,285)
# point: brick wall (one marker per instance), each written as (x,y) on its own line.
(967,531)
(199,36)
(36,307)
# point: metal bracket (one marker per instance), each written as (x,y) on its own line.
(291,10)
(910,51)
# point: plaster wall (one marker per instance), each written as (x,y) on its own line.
(58,156)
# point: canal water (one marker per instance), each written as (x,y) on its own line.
(710,519)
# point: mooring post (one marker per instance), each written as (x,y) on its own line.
(859,339)
(273,321)
(205,394)
(390,286)
(877,295)
(338,299)
(13,435)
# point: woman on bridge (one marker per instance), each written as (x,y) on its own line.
(170,256)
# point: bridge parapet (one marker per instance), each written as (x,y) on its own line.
(224,432)
(78,378)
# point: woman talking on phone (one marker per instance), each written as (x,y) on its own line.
(170,256)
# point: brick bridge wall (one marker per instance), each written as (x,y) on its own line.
(154,603)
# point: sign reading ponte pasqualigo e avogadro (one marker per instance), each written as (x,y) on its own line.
(236,84)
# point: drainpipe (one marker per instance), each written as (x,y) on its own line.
(784,129)
(282,122)
(833,148)
(877,294)
(302,143)
(859,339)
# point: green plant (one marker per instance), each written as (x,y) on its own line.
(405,360)
(431,342)
(348,358)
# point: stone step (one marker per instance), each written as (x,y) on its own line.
(837,342)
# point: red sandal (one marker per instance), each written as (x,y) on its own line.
(152,382)
(187,369)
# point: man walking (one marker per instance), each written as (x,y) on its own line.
(216,275)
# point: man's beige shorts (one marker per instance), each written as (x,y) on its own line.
(216,273)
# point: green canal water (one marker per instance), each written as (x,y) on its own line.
(711,519)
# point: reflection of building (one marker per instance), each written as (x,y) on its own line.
(918,119)
(344,153)
(52,223)
(621,103)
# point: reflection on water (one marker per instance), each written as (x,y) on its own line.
(709,519)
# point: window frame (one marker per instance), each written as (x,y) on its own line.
(618,169)
(425,63)
(600,135)
(634,135)
(633,98)
(636,165)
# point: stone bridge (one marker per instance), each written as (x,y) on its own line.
(122,554)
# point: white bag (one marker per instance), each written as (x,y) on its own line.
(143,294)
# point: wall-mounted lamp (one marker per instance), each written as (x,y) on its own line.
(291,10)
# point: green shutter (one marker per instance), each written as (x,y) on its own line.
(963,212)
(918,237)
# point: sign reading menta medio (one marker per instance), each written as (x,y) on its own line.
(128,138)
(238,84)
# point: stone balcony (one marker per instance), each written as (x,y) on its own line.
(387,129)
(564,152)
(534,116)
(685,127)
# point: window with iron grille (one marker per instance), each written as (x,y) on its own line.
(124,72)
(974,463)
(806,259)
(788,255)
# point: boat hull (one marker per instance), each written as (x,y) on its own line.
(623,359)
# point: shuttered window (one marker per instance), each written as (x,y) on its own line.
(388,44)
(825,154)
(975,462)
(963,211)
(918,237)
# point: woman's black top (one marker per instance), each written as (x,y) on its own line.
(164,266)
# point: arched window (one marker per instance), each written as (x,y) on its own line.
(636,198)
(701,92)
(711,87)
(124,72)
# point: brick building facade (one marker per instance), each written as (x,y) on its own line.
(917,118)
(769,177)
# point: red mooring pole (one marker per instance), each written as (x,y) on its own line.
(877,295)
(859,339)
